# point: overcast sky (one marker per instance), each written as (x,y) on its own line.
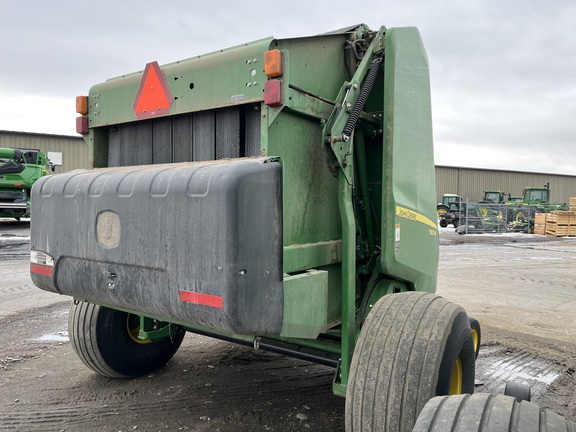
(503,73)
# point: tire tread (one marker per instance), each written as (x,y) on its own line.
(90,330)
(484,412)
(411,332)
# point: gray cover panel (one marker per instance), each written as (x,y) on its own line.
(212,229)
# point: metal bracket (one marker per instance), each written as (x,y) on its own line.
(338,388)
(339,129)
(152,329)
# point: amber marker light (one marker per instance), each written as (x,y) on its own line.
(273,63)
(82,104)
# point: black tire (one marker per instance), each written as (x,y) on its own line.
(409,348)
(456,222)
(526,214)
(488,412)
(443,223)
(476,335)
(441,209)
(510,216)
(101,338)
(521,392)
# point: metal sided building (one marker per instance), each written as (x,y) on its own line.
(66,152)
(470,183)
(70,152)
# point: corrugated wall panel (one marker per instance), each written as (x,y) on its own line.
(74,150)
(467,182)
(470,183)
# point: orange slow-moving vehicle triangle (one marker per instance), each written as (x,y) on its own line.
(153,97)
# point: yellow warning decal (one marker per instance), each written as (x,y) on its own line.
(404,213)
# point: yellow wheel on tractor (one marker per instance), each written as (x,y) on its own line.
(441,210)
(520,216)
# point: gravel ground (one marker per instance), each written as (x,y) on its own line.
(519,286)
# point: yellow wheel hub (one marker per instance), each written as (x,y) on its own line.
(133,328)
(456,382)
(475,340)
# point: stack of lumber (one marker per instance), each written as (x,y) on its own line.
(540,223)
(561,223)
(573,204)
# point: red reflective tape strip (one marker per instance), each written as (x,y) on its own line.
(201,299)
(41,270)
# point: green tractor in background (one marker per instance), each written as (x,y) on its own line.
(490,203)
(450,203)
(453,211)
(19,170)
(448,211)
(493,197)
(534,200)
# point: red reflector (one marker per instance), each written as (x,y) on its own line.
(153,97)
(82,125)
(273,93)
(201,299)
(41,270)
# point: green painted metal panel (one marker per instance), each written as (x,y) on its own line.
(315,63)
(305,304)
(228,77)
(409,231)
(310,204)
(312,255)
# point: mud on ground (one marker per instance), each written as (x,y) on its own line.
(212,385)
(208,386)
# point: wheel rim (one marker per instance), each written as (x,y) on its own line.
(457,377)
(441,212)
(475,340)
(133,328)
